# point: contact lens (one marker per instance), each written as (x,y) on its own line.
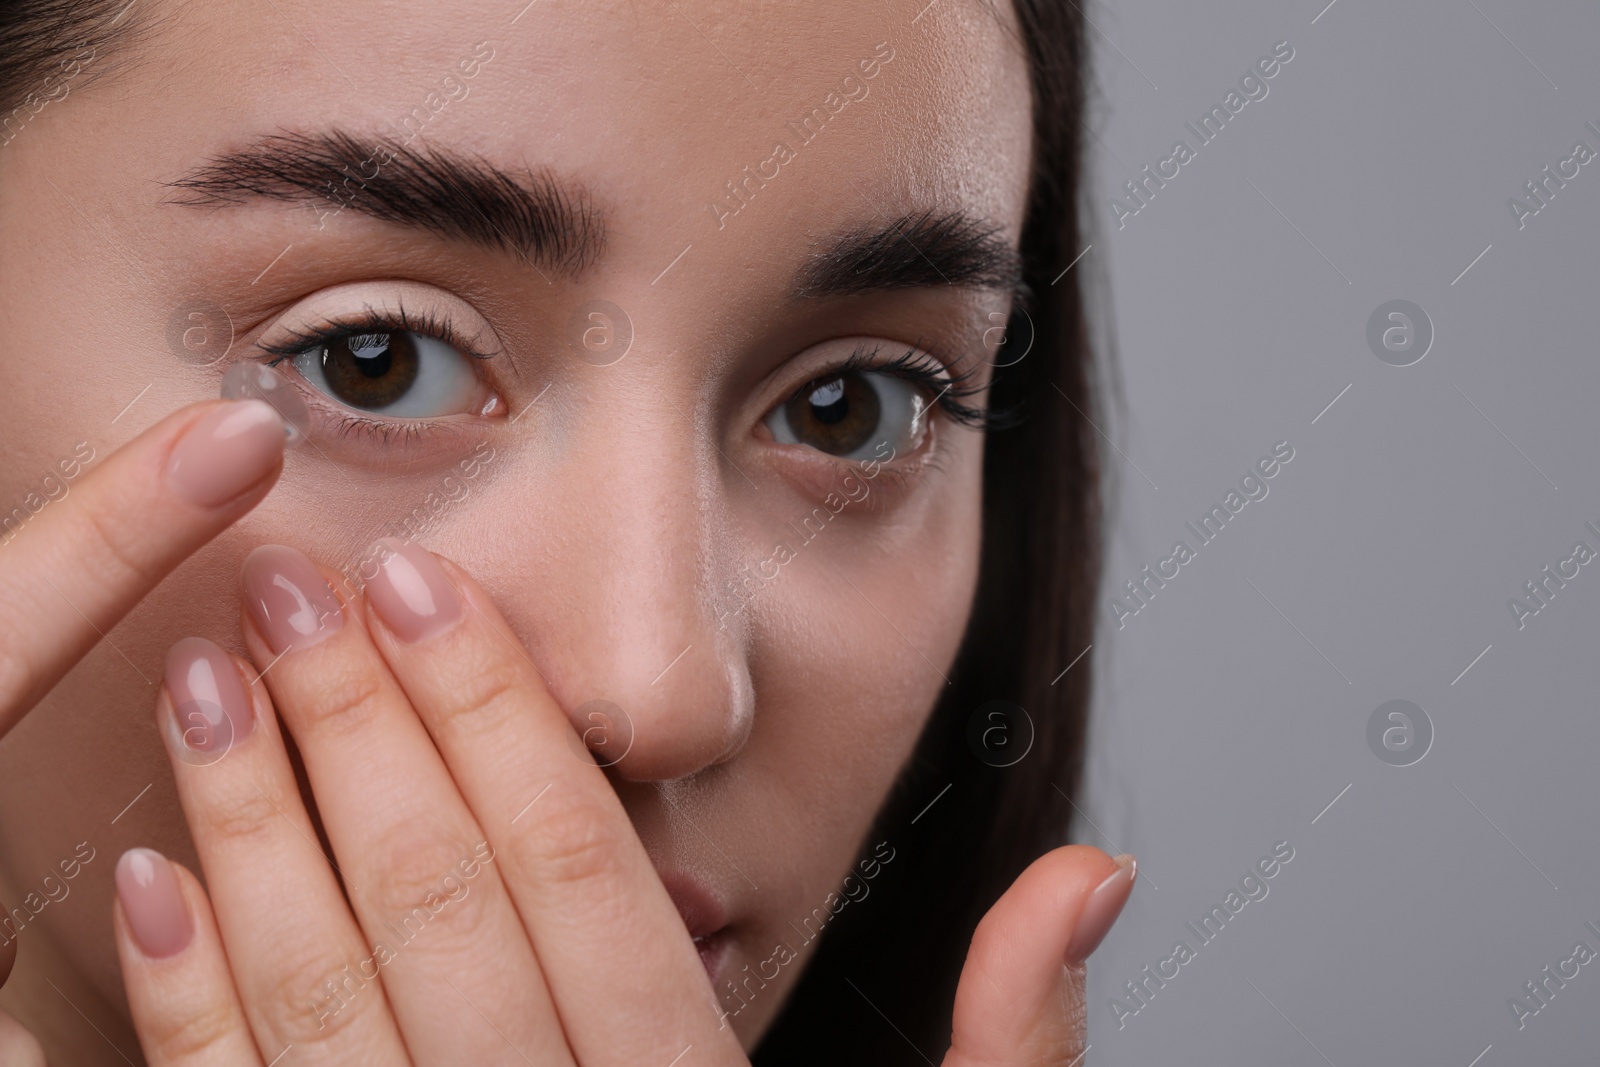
(257,381)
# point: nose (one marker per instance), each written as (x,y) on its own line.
(636,632)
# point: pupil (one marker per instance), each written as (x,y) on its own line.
(371,370)
(371,352)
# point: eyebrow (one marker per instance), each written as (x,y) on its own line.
(546,220)
(461,197)
(922,249)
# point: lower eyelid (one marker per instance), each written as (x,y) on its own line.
(350,426)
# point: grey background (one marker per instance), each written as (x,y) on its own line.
(1414,508)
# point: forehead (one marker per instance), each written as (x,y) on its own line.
(692,119)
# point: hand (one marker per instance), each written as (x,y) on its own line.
(491,902)
(486,873)
(1020,1002)
(81,562)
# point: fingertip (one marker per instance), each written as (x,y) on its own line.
(411,595)
(187,905)
(1101,908)
(228,450)
(288,602)
(157,915)
(1019,991)
(185,1007)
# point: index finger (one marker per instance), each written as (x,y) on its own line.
(80,565)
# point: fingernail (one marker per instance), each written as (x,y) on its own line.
(152,903)
(411,592)
(289,601)
(226,451)
(1101,909)
(209,700)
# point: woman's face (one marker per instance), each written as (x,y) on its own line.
(662,226)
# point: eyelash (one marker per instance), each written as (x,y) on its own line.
(372,320)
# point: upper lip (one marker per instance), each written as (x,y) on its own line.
(702,912)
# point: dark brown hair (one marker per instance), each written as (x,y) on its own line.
(881,986)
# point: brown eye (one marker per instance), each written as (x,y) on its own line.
(852,415)
(396,373)
(371,370)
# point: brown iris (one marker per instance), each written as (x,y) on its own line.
(836,416)
(371,370)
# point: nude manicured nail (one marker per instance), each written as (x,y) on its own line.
(411,592)
(1101,909)
(153,903)
(288,599)
(209,699)
(226,451)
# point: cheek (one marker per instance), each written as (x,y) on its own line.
(871,625)
(849,651)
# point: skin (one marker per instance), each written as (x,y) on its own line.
(602,536)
